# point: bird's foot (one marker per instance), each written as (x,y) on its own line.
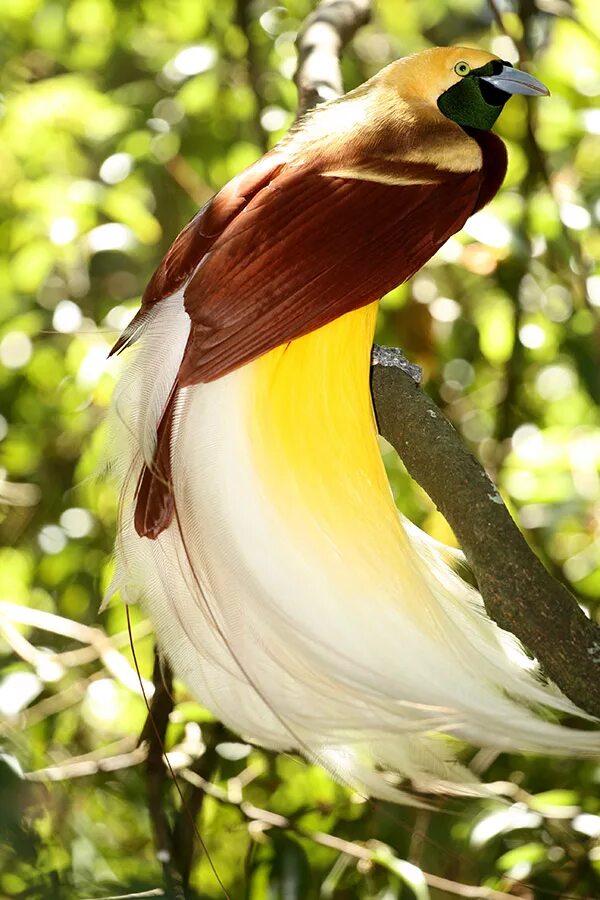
(394,357)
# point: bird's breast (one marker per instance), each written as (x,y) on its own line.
(313,443)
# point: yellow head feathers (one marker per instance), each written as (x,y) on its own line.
(426,75)
(469,87)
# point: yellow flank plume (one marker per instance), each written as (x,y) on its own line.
(316,453)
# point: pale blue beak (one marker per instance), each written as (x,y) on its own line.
(513,81)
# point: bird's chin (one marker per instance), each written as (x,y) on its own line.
(492,95)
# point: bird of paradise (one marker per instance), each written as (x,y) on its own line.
(257,524)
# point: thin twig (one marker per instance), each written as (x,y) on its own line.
(114,661)
(373,852)
(188,179)
(128,754)
(138,895)
(49,706)
(85,655)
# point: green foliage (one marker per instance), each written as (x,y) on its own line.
(116,121)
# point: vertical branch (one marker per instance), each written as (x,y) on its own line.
(154,732)
(320,44)
(174,846)
(244,21)
(184,839)
(538,167)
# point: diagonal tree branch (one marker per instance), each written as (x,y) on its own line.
(519,594)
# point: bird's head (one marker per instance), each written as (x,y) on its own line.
(468,86)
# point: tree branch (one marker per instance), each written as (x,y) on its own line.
(243,16)
(154,733)
(518,592)
(320,43)
(184,838)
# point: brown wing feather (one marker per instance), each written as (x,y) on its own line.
(154,506)
(308,249)
(197,238)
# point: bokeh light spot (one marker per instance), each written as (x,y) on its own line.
(62,230)
(15,350)
(77,522)
(555,382)
(67,317)
(532,336)
(574,216)
(191,61)
(116,168)
(110,236)
(17,691)
(52,539)
(444,309)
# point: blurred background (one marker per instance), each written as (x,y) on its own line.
(116,121)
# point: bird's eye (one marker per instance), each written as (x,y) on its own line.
(462,68)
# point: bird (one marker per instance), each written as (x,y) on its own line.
(256,523)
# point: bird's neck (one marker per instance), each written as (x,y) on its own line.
(377,133)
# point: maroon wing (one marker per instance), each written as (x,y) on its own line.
(307,249)
(197,238)
(296,250)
